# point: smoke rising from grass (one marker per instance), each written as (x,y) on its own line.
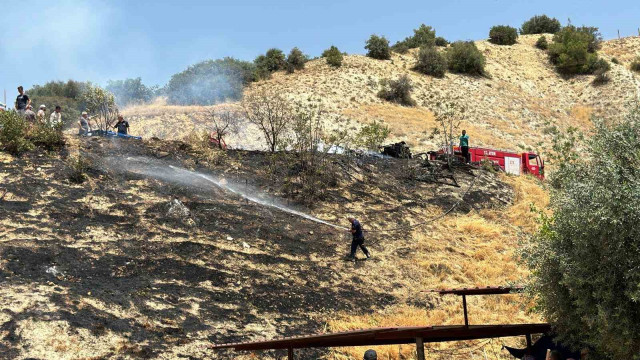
(159,170)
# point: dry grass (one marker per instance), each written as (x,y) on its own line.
(477,249)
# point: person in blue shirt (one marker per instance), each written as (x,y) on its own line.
(358,239)
(464,146)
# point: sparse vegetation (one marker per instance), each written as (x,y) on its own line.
(398,91)
(542,43)
(440,41)
(373,135)
(210,82)
(540,24)
(422,36)
(503,35)
(615,60)
(223,123)
(378,48)
(573,50)
(584,273)
(431,62)
(465,58)
(333,56)
(78,166)
(296,60)
(635,65)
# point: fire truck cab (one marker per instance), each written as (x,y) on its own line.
(511,162)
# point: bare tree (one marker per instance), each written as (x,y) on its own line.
(271,113)
(448,115)
(223,123)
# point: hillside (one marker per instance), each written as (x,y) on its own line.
(113,268)
(509,110)
(153,256)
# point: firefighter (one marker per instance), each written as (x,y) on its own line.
(464,146)
(358,239)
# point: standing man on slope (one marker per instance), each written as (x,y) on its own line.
(464,146)
(22,101)
(358,239)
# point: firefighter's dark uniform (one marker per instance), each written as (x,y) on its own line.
(358,239)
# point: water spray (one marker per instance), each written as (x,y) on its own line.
(151,168)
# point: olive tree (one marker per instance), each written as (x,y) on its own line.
(586,255)
(223,122)
(102,104)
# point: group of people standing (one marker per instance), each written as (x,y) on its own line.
(23,107)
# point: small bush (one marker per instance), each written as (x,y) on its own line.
(78,166)
(398,91)
(296,60)
(371,136)
(431,62)
(422,36)
(503,35)
(13,132)
(333,56)
(47,137)
(635,65)
(615,61)
(542,43)
(378,48)
(573,50)
(540,24)
(464,57)
(440,41)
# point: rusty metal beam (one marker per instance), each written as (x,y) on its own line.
(392,336)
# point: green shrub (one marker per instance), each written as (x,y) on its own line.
(503,35)
(440,41)
(210,82)
(371,136)
(378,48)
(130,91)
(77,166)
(273,60)
(13,132)
(397,91)
(540,24)
(573,50)
(333,56)
(465,58)
(542,43)
(296,60)
(47,137)
(431,62)
(635,65)
(422,36)
(615,61)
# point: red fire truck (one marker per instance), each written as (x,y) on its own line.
(511,162)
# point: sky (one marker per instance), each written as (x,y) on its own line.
(110,40)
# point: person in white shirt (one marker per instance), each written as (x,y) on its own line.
(56,117)
(42,114)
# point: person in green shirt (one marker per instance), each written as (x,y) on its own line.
(464,146)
